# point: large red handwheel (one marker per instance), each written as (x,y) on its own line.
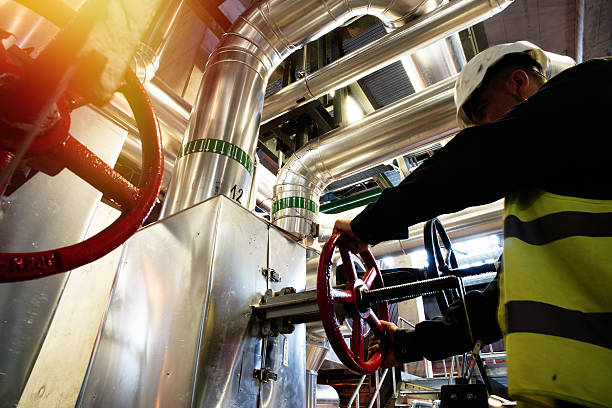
(328,298)
(39,84)
(135,202)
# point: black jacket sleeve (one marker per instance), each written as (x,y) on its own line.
(447,336)
(541,143)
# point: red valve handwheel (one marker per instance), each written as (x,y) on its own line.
(135,202)
(328,298)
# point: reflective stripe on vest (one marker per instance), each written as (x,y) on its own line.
(557,296)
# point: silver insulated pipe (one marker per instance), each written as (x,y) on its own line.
(394,130)
(421,118)
(446,20)
(217,154)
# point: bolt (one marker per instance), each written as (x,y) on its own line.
(288,290)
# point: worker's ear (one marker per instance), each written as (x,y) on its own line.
(519,83)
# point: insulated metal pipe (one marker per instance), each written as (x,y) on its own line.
(326,397)
(417,120)
(471,222)
(415,35)
(217,154)
(173,112)
(155,40)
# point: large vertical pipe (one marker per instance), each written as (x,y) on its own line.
(217,154)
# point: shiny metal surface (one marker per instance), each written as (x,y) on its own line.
(198,176)
(265,188)
(435,62)
(155,39)
(179,331)
(472,222)
(311,389)
(414,121)
(29,29)
(169,305)
(286,353)
(230,99)
(327,397)
(173,114)
(252,201)
(30,223)
(415,35)
(312,266)
(315,355)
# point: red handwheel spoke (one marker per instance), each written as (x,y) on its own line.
(357,338)
(100,175)
(76,157)
(369,277)
(375,324)
(347,263)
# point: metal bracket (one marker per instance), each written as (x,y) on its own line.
(271,274)
(273,325)
(264,375)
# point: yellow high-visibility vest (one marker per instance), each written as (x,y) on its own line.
(556,292)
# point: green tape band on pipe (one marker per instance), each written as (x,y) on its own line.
(219,147)
(295,202)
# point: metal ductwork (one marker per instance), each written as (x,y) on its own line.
(151,48)
(174,112)
(315,356)
(217,154)
(416,35)
(417,120)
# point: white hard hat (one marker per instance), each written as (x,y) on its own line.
(474,72)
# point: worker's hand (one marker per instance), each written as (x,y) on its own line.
(355,245)
(385,345)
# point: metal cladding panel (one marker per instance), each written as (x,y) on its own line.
(286,353)
(181,296)
(230,348)
(179,329)
(45,213)
(148,344)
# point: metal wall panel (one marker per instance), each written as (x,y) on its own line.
(286,354)
(230,349)
(179,330)
(148,345)
(45,213)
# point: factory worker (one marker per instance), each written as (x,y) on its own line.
(545,147)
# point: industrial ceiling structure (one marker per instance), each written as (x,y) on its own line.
(579,29)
